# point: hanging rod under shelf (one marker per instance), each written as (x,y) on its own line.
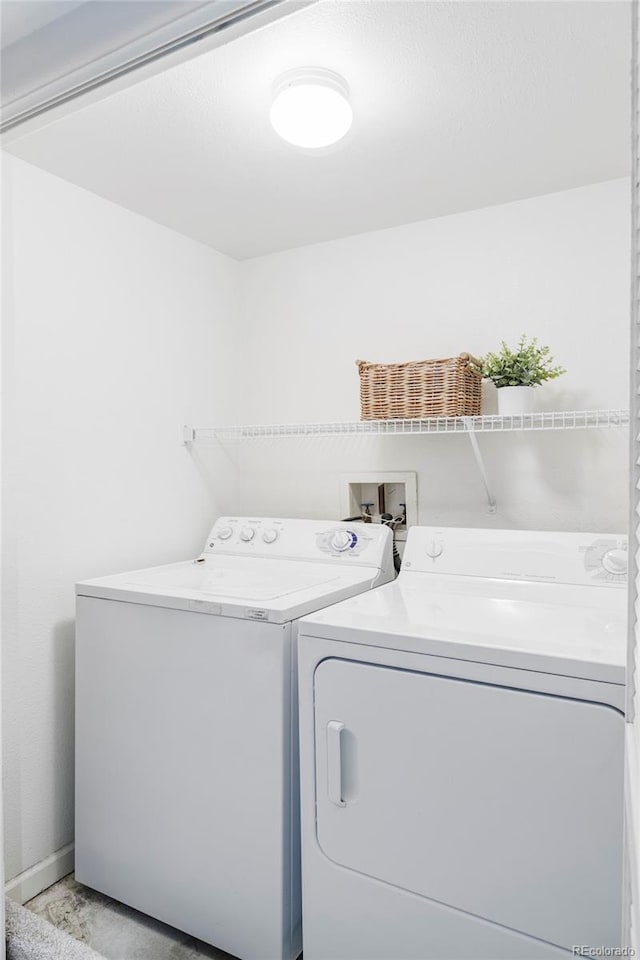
(489,423)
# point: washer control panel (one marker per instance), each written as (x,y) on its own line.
(241,530)
(344,540)
(533,555)
(318,540)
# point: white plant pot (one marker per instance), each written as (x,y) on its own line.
(516,401)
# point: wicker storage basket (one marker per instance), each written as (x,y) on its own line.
(424,388)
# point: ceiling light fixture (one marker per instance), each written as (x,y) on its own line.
(311,107)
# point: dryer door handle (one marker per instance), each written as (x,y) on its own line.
(334,762)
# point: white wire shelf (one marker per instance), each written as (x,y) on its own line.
(560,420)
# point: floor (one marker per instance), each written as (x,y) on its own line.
(113,930)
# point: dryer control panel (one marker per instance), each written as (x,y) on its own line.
(532,555)
(317,540)
(607,559)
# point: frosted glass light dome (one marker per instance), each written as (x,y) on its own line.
(311,108)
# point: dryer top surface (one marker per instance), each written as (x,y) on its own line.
(566,619)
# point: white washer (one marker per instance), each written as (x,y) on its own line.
(187,801)
(461,742)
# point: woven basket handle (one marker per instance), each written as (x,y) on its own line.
(474,364)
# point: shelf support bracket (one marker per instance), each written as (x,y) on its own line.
(492,506)
(188,434)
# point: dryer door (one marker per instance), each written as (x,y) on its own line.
(503,803)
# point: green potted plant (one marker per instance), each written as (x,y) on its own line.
(516,373)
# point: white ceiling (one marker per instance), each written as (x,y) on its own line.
(457,105)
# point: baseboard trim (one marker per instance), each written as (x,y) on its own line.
(37,878)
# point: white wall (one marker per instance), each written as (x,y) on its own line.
(116,331)
(554,266)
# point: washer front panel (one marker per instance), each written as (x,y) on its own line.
(184,765)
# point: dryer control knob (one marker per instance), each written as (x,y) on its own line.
(434,549)
(342,540)
(615,561)
(270,536)
(224,533)
(247,533)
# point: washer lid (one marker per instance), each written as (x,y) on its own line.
(236,577)
(576,631)
(257,588)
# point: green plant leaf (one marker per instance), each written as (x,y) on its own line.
(526,366)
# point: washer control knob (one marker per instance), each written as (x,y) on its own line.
(615,561)
(342,540)
(270,536)
(247,533)
(434,549)
(224,533)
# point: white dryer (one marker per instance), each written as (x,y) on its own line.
(461,738)
(187,802)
